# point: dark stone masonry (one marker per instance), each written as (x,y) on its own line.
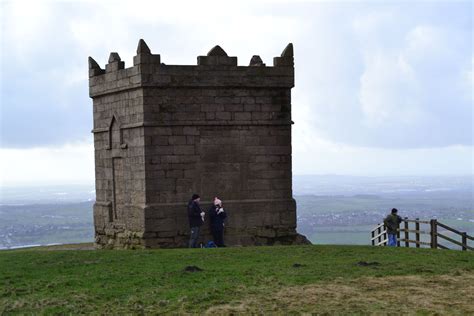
(163,132)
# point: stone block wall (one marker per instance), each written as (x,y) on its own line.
(164,132)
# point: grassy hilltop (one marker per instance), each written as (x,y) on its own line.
(281,280)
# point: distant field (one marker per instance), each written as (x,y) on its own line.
(349,219)
(323,219)
(330,209)
(41,224)
(299,279)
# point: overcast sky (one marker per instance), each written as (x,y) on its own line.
(381,89)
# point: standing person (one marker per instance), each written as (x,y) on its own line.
(217,217)
(196,218)
(392,222)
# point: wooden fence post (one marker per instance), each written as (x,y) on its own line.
(398,237)
(373,235)
(464,241)
(434,233)
(417,234)
(407,243)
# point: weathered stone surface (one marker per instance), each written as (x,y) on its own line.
(94,68)
(144,62)
(143,48)
(162,133)
(217,57)
(288,51)
(286,58)
(256,61)
(114,57)
(217,51)
(93,64)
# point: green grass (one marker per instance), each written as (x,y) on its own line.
(112,282)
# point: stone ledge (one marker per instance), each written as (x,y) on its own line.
(286,200)
(198,123)
(165,76)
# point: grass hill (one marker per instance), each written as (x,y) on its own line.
(281,280)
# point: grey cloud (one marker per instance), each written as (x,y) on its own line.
(45,101)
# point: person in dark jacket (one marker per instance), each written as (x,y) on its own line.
(392,223)
(196,218)
(217,217)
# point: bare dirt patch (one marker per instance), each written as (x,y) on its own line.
(443,294)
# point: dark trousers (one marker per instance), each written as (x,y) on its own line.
(218,236)
(193,239)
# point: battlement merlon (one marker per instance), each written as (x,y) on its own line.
(216,69)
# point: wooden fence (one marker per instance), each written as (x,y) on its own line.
(429,229)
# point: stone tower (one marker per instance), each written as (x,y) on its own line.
(163,132)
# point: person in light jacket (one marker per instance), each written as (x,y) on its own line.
(217,217)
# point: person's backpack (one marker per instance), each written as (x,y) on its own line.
(211,244)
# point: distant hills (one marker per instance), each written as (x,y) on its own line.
(331,209)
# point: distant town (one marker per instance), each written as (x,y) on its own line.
(331,209)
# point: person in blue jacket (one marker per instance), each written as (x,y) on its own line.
(217,217)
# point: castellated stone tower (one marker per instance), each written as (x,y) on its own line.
(163,132)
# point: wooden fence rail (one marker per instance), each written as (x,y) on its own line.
(379,236)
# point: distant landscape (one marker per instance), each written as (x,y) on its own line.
(331,209)
(343,210)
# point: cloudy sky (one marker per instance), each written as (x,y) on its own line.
(381,88)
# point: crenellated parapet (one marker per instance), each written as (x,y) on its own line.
(216,69)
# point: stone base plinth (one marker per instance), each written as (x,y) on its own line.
(249,223)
